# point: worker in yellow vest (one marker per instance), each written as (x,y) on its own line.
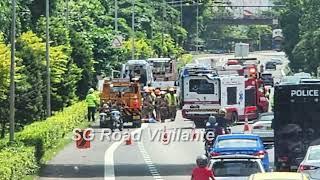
(172,101)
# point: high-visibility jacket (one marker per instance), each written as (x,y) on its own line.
(172,99)
(91,100)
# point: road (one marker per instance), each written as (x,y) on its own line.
(148,157)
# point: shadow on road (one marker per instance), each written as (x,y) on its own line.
(97,171)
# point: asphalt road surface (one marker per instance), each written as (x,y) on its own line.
(149,156)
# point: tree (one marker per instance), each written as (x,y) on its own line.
(4,83)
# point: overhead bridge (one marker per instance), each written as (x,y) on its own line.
(244,21)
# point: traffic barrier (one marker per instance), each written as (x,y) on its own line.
(129,139)
(246,128)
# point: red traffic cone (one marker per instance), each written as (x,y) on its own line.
(246,127)
(194,133)
(129,139)
(165,136)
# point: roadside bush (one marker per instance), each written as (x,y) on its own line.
(45,135)
(17,161)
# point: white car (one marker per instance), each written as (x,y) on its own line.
(262,127)
(235,167)
(311,163)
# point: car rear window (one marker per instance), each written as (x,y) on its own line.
(314,154)
(266,118)
(237,143)
(266,75)
(235,168)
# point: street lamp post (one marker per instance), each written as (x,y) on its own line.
(133,30)
(48,61)
(12,71)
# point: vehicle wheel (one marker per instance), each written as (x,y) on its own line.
(199,123)
(234,118)
(138,124)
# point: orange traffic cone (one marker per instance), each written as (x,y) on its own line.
(246,127)
(194,133)
(129,139)
(165,136)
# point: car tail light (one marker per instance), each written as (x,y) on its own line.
(283,159)
(260,154)
(306,167)
(214,154)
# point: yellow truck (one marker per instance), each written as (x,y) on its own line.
(124,94)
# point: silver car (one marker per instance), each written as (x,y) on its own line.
(311,163)
(262,127)
(235,167)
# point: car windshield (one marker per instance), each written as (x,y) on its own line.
(235,168)
(237,143)
(314,154)
(266,118)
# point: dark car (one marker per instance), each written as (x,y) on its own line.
(271,65)
(267,79)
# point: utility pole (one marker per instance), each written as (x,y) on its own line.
(163,25)
(197,39)
(12,71)
(48,61)
(133,30)
(116,16)
(181,23)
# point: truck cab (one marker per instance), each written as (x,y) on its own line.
(124,94)
(140,69)
(204,93)
(164,72)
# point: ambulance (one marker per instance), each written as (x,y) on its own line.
(204,92)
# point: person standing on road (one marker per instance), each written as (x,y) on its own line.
(148,104)
(163,107)
(92,103)
(172,103)
(202,172)
(157,104)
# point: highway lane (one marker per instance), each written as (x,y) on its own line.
(145,158)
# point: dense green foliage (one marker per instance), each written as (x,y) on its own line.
(24,157)
(81,36)
(300,23)
(17,162)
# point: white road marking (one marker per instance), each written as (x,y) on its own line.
(147,159)
(109,158)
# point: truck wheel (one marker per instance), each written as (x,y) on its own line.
(137,124)
(199,123)
(234,118)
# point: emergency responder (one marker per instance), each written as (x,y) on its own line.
(163,107)
(157,104)
(202,172)
(148,104)
(172,101)
(92,103)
